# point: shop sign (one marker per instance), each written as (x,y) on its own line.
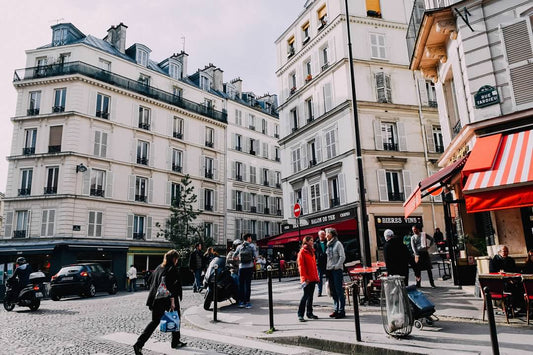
(325,219)
(398,220)
(486,95)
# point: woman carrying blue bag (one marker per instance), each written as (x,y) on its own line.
(168,273)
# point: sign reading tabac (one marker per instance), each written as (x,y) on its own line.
(486,95)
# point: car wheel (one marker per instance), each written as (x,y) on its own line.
(8,306)
(114,288)
(91,290)
(54,296)
(35,305)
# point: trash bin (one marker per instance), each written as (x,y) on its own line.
(395,309)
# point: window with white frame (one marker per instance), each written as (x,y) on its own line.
(276,131)
(238,200)
(265,150)
(308,71)
(331,143)
(178,126)
(104,64)
(296,160)
(209,199)
(100,144)
(175,193)
(144,79)
(209,137)
(177,91)
(312,153)
(139,227)
(309,109)
(208,103)
(278,179)
(174,70)
(377,46)
(141,189)
(22,224)
(94,228)
(294,119)
(98,182)
(266,174)
(437,138)
(238,117)
(253,146)
(292,82)
(253,178)
(40,63)
(142,57)
(48,223)
(52,178)
(290,47)
(209,164)
(238,142)
(144,117)
(334,191)
(26,176)
(239,171)
(177,160)
(432,93)
(30,139)
(327,97)
(59,36)
(276,154)
(102,105)
(35,103)
(251,121)
(383,87)
(205,83)
(143,149)
(264,126)
(209,230)
(324,61)
(253,202)
(60,97)
(389,136)
(305,33)
(394,185)
(315,197)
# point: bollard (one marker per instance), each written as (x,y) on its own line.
(270,302)
(279,271)
(492,322)
(215,305)
(355,293)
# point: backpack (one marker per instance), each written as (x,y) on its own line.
(246,254)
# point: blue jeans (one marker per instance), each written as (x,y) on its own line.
(133,285)
(245,284)
(320,283)
(337,292)
(307,300)
(197,280)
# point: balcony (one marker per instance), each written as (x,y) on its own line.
(143,125)
(208,208)
(310,119)
(176,168)
(276,135)
(276,159)
(456,129)
(96,73)
(278,213)
(140,198)
(97,192)
(28,151)
(251,127)
(209,144)
(142,160)
(396,196)
(334,202)
(252,151)
(50,190)
(238,207)
(208,174)
(278,185)
(54,149)
(239,148)
(138,236)
(265,183)
(432,103)
(294,129)
(325,66)
(238,177)
(390,146)
(25,192)
(290,52)
(32,112)
(266,210)
(312,163)
(417,15)
(439,148)
(372,13)
(253,209)
(57,109)
(308,78)
(293,90)
(102,114)
(177,135)
(306,39)
(19,234)
(323,23)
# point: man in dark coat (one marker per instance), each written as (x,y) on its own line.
(397,256)
(197,265)
(321,258)
(502,261)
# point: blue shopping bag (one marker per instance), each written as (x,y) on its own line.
(170,322)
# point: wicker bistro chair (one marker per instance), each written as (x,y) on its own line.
(496,285)
(527,281)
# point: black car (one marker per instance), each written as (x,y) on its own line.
(82,279)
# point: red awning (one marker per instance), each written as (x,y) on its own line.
(413,201)
(508,182)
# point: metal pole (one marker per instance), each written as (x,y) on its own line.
(355,293)
(270,301)
(450,238)
(363,222)
(492,322)
(215,305)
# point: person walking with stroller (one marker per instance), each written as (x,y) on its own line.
(334,267)
(420,244)
(246,254)
(169,271)
(308,277)
(321,258)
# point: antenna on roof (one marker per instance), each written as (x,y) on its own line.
(58,20)
(183,42)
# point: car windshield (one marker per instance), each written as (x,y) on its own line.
(69,270)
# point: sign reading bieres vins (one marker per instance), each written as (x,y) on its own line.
(395,220)
(486,95)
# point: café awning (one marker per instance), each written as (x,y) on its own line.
(500,176)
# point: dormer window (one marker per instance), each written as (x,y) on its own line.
(59,37)
(205,83)
(142,57)
(174,70)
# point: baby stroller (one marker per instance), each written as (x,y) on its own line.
(422,308)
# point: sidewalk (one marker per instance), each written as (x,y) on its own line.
(459,331)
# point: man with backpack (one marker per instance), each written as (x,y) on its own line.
(246,253)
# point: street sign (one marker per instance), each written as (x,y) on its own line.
(297,210)
(486,95)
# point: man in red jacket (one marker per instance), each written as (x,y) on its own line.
(308,277)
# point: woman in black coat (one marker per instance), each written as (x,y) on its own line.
(397,256)
(168,269)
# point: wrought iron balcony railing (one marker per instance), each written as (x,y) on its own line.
(28,151)
(253,209)
(97,192)
(208,208)
(54,149)
(143,125)
(138,236)
(32,111)
(439,148)
(177,168)
(19,234)
(57,109)
(334,202)
(25,192)
(238,207)
(141,160)
(209,144)
(390,146)
(177,135)
(208,174)
(102,114)
(396,196)
(140,198)
(266,210)
(278,213)
(50,190)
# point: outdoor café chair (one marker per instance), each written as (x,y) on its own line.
(496,285)
(527,281)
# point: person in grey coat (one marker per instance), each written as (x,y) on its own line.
(334,272)
(420,244)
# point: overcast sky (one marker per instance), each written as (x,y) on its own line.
(236,35)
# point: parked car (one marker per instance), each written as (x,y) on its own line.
(82,279)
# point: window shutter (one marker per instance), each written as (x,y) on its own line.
(44,223)
(9,225)
(215,233)
(129,232)
(103,150)
(342,188)
(97,140)
(518,42)
(109,184)
(272,205)
(243,172)
(246,201)
(234,170)
(380,87)
(215,201)
(169,158)
(325,194)
(318,148)
(148,228)
(327,97)
(86,184)
(168,194)
(378,138)
(131,188)
(28,235)
(429,138)
(422,92)
(202,199)
(215,169)
(234,199)
(303,156)
(91,224)
(406,183)
(202,165)
(51,222)
(260,204)
(234,140)
(305,209)
(151,152)
(402,139)
(388,90)
(382,185)
(150,190)
(260,229)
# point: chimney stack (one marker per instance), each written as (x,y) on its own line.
(116,36)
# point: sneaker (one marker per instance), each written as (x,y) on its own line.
(178,345)
(241,304)
(333,315)
(248,305)
(340,315)
(319,294)
(312,316)
(137,349)
(301,319)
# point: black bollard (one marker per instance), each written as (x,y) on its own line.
(279,271)
(215,305)
(270,301)
(355,293)
(492,322)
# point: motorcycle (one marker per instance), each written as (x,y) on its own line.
(226,285)
(30,296)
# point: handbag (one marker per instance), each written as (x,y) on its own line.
(170,322)
(162,290)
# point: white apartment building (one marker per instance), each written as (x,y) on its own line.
(400,131)
(102,136)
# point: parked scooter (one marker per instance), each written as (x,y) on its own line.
(29,296)
(226,286)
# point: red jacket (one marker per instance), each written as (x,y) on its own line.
(307,265)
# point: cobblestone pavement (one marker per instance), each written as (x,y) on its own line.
(107,325)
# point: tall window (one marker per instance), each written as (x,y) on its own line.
(238,200)
(253,147)
(294,119)
(383,87)
(315,197)
(308,71)
(142,57)
(139,227)
(324,58)
(209,230)
(276,131)
(394,186)
(437,138)
(309,109)
(56,136)
(292,82)
(238,117)
(266,174)
(290,47)
(377,46)
(144,117)
(264,126)
(52,177)
(60,97)
(142,152)
(209,199)
(48,223)
(312,153)
(94,228)
(177,91)
(305,33)
(100,144)
(35,103)
(175,193)
(276,154)
(334,193)
(177,160)
(59,36)
(141,189)
(40,63)
(22,224)
(238,142)
(432,94)
(102,106)
(253,178)
(209,168)
(98,182)
(251,121)
(278,179)
(26,176)
(296,160)
(178,127)
(209,137)
(389,136)
(331,143)
(144,79)
(266,200)
(174,70)
(30,138)
(322,14)
(239,171)
(205,83)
